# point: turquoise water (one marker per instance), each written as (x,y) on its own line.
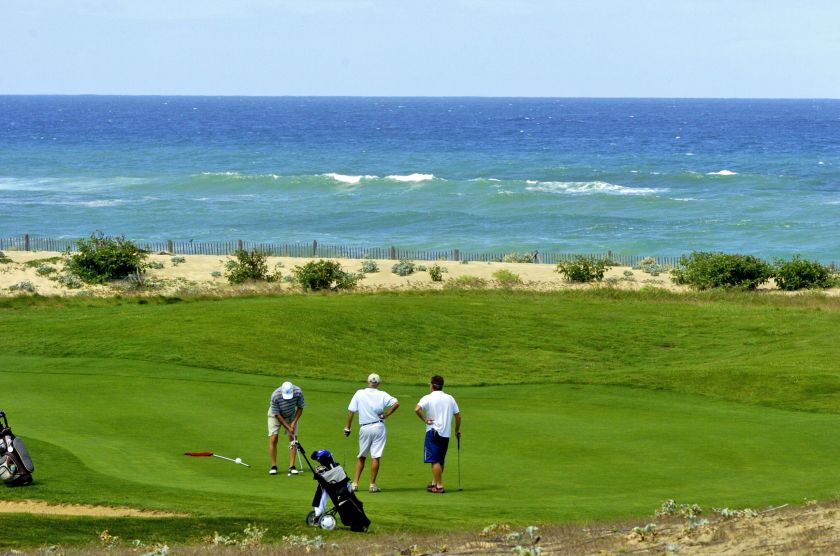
(658,177)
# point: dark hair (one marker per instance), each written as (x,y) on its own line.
(437,382)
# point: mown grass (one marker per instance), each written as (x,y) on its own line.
(744,348)
(577,405)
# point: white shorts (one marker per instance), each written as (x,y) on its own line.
(372,440)
(274,427)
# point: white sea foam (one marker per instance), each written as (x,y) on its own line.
(591,187)
(241,176)
(685,199)
(723,173)
(348,179)
(411,177)
(100,203)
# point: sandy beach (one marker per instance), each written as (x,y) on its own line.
(205,275)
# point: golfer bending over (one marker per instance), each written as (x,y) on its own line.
(284,412)
(436,410)
(373,407)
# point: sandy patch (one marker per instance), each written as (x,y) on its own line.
(205,275)
(40,507)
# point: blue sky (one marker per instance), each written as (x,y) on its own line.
(566,48)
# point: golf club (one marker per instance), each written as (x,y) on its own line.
(292,445)
(237,461)
(458,437)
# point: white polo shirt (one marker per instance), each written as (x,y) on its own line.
(370,404)
(440,407)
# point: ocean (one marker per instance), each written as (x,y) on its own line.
(654,177)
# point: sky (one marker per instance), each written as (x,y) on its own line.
(537,48)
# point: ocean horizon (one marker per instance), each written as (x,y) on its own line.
(658,177)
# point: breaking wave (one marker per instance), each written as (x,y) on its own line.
(411,177)
(589,188)
(723,173)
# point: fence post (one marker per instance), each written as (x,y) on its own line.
(456,255)
(393,253)
(239,245)
(169,247)
(314,248)
(26,242)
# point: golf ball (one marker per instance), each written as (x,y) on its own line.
(238,460)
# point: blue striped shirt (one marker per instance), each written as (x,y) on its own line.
(286,408)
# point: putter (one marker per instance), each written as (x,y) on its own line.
(292,445)
(237,461)
(459,462)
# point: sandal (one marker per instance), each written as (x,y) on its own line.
(436,490)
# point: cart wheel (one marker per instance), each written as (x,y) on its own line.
(328,522)
(312,519)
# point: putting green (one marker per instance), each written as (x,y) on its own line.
(105,431)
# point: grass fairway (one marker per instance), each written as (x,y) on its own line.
(576,406)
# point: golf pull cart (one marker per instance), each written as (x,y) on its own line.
(333,484)
(16,466)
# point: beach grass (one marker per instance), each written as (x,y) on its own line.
(577,405)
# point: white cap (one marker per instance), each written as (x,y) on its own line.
(373,378)
(288,390)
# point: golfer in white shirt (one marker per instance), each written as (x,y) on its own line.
(437,409)
(373,406)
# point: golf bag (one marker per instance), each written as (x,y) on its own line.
(333,484)
(16,466)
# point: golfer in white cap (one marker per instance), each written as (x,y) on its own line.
(284,412)
(373,406)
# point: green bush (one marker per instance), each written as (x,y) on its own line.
(101,258)
(705,270)
(369,265)
(403,268)
(44,269)
(506,278)
(584,269)
(798,274)
(249,266)
(70,281)
(24,286)
(324,275)
(436,272)
(650,266)
(4,258)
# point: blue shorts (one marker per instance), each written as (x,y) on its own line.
(435,447)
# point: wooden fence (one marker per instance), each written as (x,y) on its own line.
(319,250)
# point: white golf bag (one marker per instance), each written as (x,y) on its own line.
(16,466)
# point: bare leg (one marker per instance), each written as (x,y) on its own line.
(360,466)
(292,453)
(374,470)
(272,449)
(437,473)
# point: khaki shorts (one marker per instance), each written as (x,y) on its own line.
(274,427)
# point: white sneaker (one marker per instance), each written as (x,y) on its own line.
(273,470)
(293,471)
(374,488)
